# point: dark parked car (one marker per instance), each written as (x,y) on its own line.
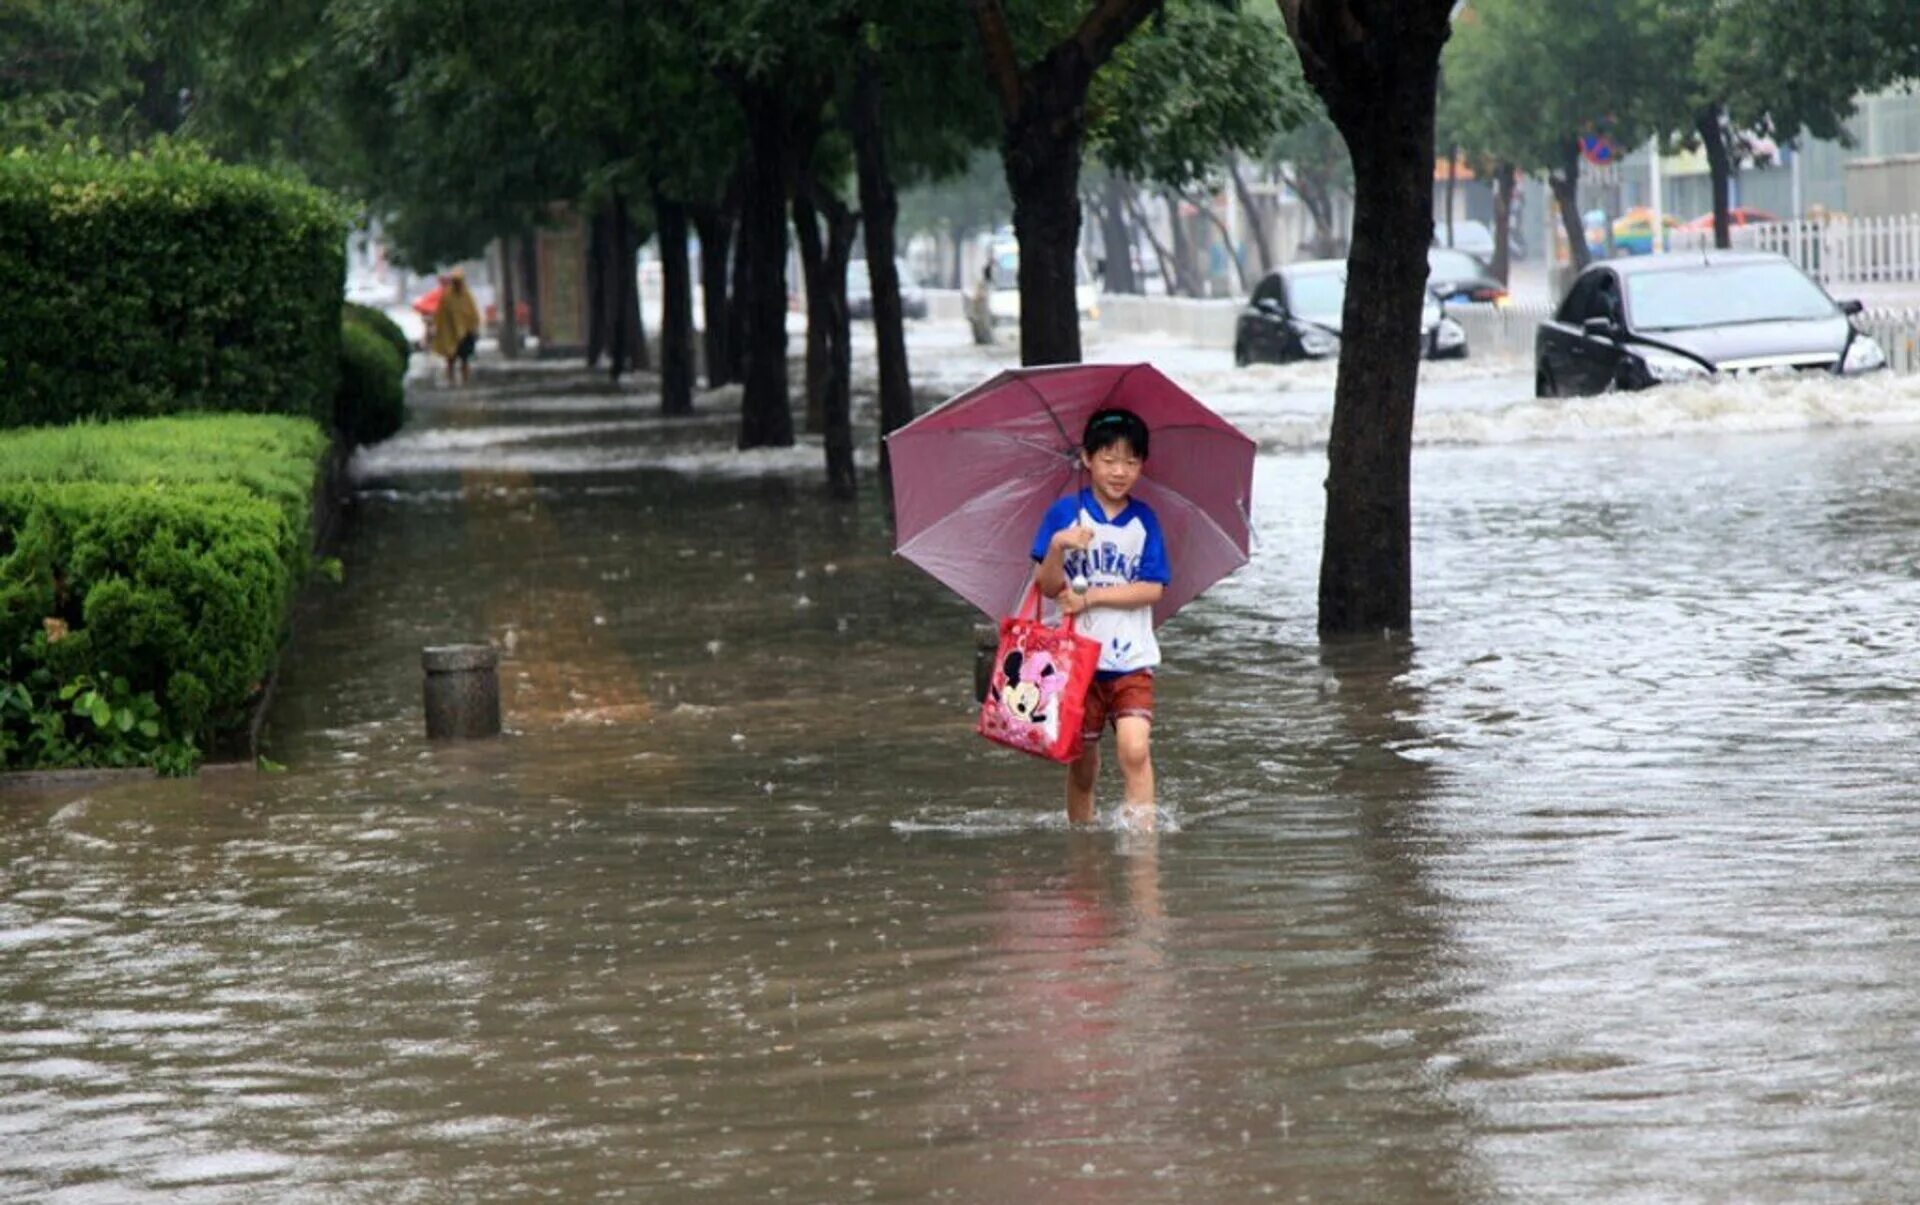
(1294,314)
(1457,276)
(1631,324)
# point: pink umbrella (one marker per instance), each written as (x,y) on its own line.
(972,478)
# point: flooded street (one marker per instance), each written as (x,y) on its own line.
(1606,887)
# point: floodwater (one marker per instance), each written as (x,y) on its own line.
(1606,887)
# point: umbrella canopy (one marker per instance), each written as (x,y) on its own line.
(972,478)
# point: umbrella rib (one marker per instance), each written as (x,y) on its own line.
(1042,399)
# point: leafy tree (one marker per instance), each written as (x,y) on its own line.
(1041,60)
(1780,68)
(1524,81)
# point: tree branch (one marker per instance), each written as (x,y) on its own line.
(1109,24)
(1003,64)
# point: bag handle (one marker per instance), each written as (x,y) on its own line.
(1030,609)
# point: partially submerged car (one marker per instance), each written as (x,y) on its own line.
(1631,324)
(1295,314)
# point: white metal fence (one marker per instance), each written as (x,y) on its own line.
(1834,251)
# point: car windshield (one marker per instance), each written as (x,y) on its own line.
(1724,295)
(1318,293)
(1443,264)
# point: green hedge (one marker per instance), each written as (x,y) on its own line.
(371,402)
(158,285)
(383,326)
(146,569)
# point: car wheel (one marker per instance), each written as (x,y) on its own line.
(1543,383)
(1240,357)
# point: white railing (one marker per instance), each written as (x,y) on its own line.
(1834,251)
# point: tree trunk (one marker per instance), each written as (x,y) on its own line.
(1379,80)
(1318,199)
(1117,239)
(715,228)
(879,211)
(806,229)
(1042,151)
(960,236)
(1713,135)
(1565,185)
(1502,220)
(1186,265)
(1453,183)
(837,393)
(1256,218)
(1169,277)
(766,413)
(597,286)
(1219,225)
(530,272)
(676,309)
(638,357)
(739,290)
(509,307)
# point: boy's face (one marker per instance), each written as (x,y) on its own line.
(1114,469)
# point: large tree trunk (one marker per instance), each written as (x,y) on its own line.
(1713,135)
(1379,79)
(766,414)
(879,210)
(1256,217)
(1117,238)
(1042,150)
(1502,220)
(806,229)
(715,227)
(676,309)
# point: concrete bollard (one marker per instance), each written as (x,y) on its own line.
(462,691)
(986,642)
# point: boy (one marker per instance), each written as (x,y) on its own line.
(1101,556)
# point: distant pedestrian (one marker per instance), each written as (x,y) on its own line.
(456,327)
(979,307)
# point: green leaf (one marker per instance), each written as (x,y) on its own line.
(149,729)
(123,719)
(267,765)
(101,711)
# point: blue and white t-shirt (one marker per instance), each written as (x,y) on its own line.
(1125,549)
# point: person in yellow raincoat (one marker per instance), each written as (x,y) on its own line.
(456,326)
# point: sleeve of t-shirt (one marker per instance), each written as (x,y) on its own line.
(1154,566)
(1061,514)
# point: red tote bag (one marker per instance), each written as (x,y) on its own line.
(1038,692)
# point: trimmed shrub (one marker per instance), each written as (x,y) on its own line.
(155,285)
(383,326)
(370,404)
(145,574)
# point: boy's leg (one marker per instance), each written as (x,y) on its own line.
(1085,769)
(1081,775)
(1133,743)
(1133,732)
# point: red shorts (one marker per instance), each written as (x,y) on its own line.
(1110,698)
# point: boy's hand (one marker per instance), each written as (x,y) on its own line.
(1072,602)
(1076,537)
